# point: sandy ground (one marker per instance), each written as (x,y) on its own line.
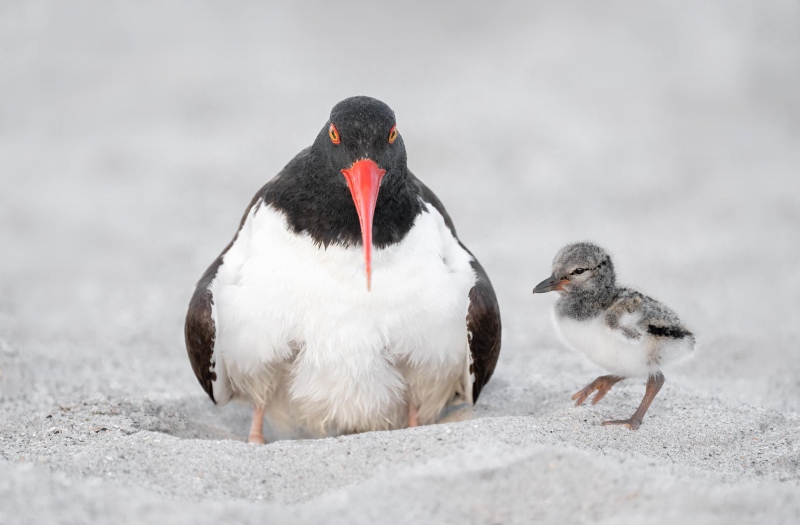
(132,136)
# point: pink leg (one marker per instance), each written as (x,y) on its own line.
(413,421)
(654,384)
(256,436)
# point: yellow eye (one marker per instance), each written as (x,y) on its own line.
(333,133)
(393,134)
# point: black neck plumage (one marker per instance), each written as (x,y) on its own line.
(315,199)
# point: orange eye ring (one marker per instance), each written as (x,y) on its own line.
(333,133)
(393,134)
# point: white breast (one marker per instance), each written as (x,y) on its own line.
(609,348)
(282,303)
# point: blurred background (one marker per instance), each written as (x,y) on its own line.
(133,135)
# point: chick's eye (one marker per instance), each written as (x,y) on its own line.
(333,133)
(393,134)
(578,271)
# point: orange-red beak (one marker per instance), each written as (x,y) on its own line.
(364,180)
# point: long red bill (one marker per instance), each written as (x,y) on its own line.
(364,180)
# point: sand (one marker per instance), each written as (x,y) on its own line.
(133,136)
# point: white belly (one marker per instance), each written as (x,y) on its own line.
(608,348)
(297,317)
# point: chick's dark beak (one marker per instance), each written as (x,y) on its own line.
(551,284)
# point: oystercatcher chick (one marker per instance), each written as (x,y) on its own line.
(626,332)
(345,302)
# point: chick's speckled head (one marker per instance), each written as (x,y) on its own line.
(580,267)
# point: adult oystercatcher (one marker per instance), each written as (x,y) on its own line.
(624,331)
(345,302)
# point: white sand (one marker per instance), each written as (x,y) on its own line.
(132,137)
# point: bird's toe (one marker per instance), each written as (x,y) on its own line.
(255,439)
(601,393)
(632,424)
(581,395)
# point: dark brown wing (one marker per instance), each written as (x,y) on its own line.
(199,330)
(484,327)
(483,314)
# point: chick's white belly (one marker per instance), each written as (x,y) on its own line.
(607,348)
(295,316)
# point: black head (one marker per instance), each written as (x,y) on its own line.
(580,268)
(363,128)
(353,181)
